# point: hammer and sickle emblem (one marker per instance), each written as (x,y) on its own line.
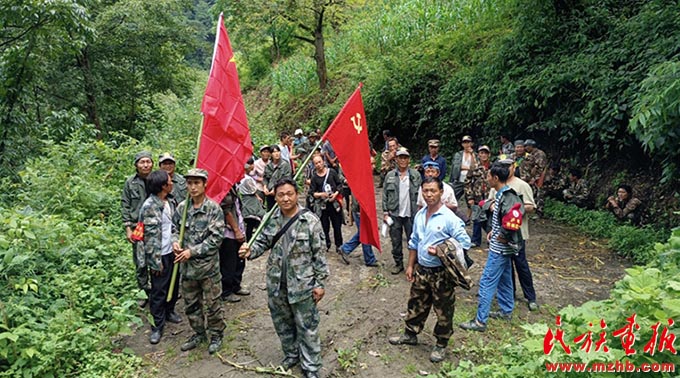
(356,121)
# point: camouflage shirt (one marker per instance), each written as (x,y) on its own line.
(179,189)
(577,193)
(476,187)
(134,194)
(151,214)
(203,235)
(388,161)
(298,260)
(536,163)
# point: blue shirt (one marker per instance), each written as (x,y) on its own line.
(442,225)
(439,160)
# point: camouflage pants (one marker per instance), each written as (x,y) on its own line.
(141,273)
(297,325)
(539,198)
(434,290)
(206,293)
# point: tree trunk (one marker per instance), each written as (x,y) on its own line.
(320,52)
(91,105)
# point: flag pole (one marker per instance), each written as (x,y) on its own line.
(182,225)
(269,214)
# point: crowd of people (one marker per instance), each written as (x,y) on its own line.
(169,220)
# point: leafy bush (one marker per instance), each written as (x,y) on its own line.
(651,293)
(626,240)
(66,268)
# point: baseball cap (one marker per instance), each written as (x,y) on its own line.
(402,152)
(530,142)
(467,138)
(431,164)
(298,132)
(197,172)
(265,147)
(142,154)
(484,147)
(166,156)
(433,143)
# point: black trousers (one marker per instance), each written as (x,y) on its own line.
(251,226)
(521,266)
(160,309)
(231,266)
(331,216)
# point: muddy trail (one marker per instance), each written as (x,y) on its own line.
(363,306)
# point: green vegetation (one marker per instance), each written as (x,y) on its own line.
(628,241)
(650,292)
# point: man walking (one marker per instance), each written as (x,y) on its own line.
(296,271)
(133,196)
(504,240)
(198,254)
(431,285)
(156,215)
(400,196)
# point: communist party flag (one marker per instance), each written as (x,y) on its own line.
(225,143)
(348,135)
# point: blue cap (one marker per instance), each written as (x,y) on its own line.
(431,164)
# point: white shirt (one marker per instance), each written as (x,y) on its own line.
(166,229)
(448,198)
(404,196)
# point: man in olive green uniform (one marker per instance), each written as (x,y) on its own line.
(179,184)
(296,271)
(198,254)
(131,200)
(400,197)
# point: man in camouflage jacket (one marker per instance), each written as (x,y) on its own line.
(537,165)
(296,270)
(198,254)
(476,190)
(131,199)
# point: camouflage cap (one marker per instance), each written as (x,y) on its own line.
(313,134)
(141,155)
(197,172)
(166,156)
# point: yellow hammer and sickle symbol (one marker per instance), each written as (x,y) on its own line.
(356,121)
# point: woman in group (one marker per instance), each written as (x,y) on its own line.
(274,171)
(324,187)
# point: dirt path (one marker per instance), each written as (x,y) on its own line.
(363,306)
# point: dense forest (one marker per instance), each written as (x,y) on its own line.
(85,84)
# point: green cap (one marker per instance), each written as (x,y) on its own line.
(141,155)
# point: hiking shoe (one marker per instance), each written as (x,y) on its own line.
(500,315)
(289,362)
(473,325)
(342,255)
(173,317)
(397,269)
(155,336)
(403,339)
(215,344)
(231,298)
(194,340)
(438,353)
(372,264)
(533,306)
(242,292)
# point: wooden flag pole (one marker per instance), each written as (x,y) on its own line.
(182,225)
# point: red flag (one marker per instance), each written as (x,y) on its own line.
(348,135)
(225,143)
